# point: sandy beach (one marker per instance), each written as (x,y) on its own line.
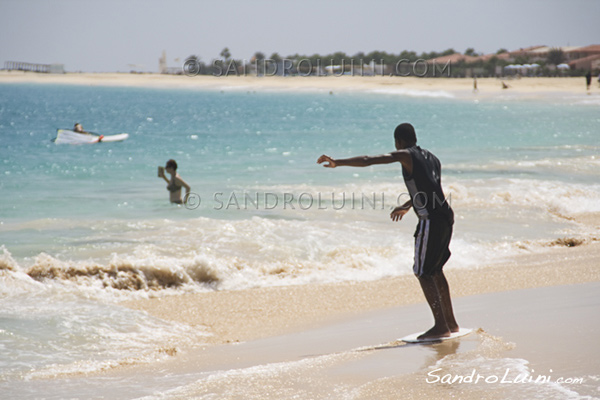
(415,86)
(322,337)
(343,344)
(236,316)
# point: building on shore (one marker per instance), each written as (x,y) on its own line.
(34,67)
(163,68)
(586,58)
(162,63)
(527,60)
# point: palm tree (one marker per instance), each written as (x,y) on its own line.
(225,54)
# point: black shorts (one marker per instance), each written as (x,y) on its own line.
(432,239)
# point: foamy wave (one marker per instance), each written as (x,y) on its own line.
(567,198)
(559,198)
(306,376)
(291,247)
(13,280)
(203,273)
(7,263)
(481,201)
(207,254)
(51,330)
(588,165)
(321,244)
(124,275)
(121,275)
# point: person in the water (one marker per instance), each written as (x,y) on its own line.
(175,183)
(79,129)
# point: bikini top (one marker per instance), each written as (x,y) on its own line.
(173,187)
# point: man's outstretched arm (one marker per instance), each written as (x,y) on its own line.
(364,161)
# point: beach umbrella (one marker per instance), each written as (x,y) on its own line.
(563,66)
(535,65)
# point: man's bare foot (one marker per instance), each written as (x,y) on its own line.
(435,333)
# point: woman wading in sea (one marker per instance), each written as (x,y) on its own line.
(175,183)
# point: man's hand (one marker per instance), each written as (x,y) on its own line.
(399,212)
(326,159)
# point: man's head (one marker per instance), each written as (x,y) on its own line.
(405,136)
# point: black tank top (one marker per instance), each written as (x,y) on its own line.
(425,186)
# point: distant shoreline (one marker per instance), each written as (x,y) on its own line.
(411,86)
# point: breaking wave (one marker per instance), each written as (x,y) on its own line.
(124,275)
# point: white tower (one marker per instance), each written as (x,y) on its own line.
(162,63)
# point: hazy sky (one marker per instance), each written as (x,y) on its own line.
(111,35)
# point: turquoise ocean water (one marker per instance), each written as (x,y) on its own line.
(84,226)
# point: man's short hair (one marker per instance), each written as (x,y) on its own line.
(405,132)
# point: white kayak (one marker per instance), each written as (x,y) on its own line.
(71,137)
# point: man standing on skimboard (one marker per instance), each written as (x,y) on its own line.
(422,175)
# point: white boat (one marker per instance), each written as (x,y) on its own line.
(67,136)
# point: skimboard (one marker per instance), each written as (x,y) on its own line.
(413,338)
(71,137)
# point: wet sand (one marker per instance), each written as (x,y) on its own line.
(535,314)
(356,359)
(234,316)
(519,336)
